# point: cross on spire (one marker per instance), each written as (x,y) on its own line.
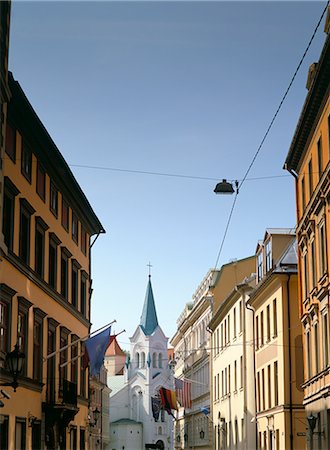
(149,265)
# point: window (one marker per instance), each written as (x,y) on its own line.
(6,295)
(234,323)
(26,162)
(74,283)
(263,389)
(303,194)
(22,328)
(41,181)
(306,276)
(261,328)
(10,192)
(65,255)
(63,357)
(4,432)
(242,371)
(222,343)
(222,384)
(53,199)
(10,145)
(25,229)
(313,264)
(37,344)
(269,376)
(275,383)
(257,332)
(268,322)
(229,380)
(319,157)
(308,354)
(259,392)
(82,439)
(268,256)
(274,318)
(226,379)
(240,316)
(39,256)
(20,434)
(52,267)
(260,271)
(235,375)
(83,238)
(322,249)
(51,346)
(83,291)
(65,214)
(310,178)
(82,372)
(74,359)
(228,329)
(316,348)
(154,360)
(160,360)
(143,360)
(74,229)
(326,360)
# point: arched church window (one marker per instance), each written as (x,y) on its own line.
(137,359)
(160,431)
(160,361)
(134,407)
(143,359)
(154,360)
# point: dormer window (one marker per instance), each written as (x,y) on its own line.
(268,256)
(260,271)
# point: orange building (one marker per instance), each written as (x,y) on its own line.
(45,286)
(309,162)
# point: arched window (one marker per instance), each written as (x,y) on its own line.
(137,359)
(134,407)
(160,431)
(143,359)
(160,361)
(154,360)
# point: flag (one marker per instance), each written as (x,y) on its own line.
(183,392)
(95,348)
(205,410)
(155,406)
(168,400)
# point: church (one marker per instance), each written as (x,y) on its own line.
(147,369)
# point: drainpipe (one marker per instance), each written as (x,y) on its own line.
(290,362)
(254,372)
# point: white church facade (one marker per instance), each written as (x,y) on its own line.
(132,425)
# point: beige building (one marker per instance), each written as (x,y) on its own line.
(308,161)
(280,418)
(232,356)
(191,343)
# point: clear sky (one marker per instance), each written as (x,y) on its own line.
(170,87)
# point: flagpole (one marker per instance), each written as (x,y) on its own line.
(82,354)
(75,342)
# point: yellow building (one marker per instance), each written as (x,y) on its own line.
(45,287)
(308,161)
(280,418)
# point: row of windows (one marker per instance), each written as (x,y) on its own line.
(140,360)
(314,268)
(50,259)
(269,440)
(314,364)
(228,329)
(267,387)
(34,367)
(227,384)
(266,325)
(314,167)
(21,436)
(227,435)
(27,159)
(201,377)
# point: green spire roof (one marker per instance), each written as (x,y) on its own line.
(148,321)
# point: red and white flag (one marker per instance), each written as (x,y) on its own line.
(183,392)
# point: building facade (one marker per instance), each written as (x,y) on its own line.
(133,426)
(232,355)
(45,287)
(280,419)
(308,161)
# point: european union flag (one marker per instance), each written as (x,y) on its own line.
(96,347)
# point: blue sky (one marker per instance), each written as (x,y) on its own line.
(170,87)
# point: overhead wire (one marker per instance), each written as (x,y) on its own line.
(267,132)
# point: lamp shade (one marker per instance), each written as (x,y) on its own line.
(224,187)
(14,362)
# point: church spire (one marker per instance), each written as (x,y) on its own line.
(148,321)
